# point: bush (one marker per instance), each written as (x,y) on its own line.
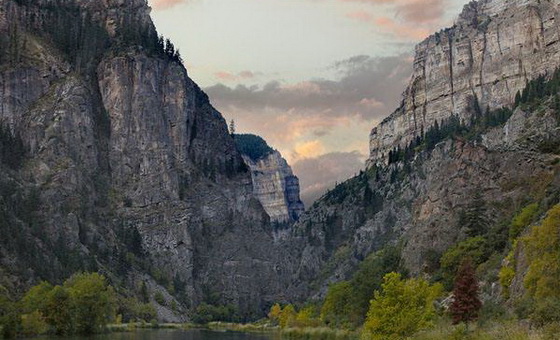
(542,248)
(473,248)
(522,220)
(158,296)
(33,324)
(401,308)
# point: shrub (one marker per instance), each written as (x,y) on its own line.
(542,248)
(33,324)
(401,308)
(522,220)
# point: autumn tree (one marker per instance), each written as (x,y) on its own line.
(466,304)
(401,308)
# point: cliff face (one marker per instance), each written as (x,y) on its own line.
(130,169)
(276,187)
(417,203)
(494,48)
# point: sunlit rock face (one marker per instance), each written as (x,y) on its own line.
(276,187)
(490,53)
(274,183)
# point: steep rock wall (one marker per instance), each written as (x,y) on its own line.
(122,143)
(276,187)
(490,53)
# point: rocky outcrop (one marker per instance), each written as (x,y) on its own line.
(276,187)
(490,53)
(130,168)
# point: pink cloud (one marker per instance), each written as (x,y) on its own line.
(164,4)
(228,76)
(360,16)
(410,19)
(402,31)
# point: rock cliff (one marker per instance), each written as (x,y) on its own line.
(490,53)
(417,202)
(274,183)
(127,169)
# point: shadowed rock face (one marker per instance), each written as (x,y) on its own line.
(494,48)
(121,143)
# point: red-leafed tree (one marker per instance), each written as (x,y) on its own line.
(466,304)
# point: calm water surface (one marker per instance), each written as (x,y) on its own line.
(171,334)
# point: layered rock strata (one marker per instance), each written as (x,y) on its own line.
(490,53)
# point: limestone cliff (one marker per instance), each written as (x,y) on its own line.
(128,169)
(490,53)
(274,183)
(417,203)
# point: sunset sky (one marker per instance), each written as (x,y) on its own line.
(310,76)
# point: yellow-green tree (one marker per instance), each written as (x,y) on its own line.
(336,310)
(275,313)
(93,301)
(401,308)
(542,247)
(288,316)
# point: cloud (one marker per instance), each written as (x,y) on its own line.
(319,174)
(367,87)
(309,149)
(406,19)
(164,4)
(231,77)
(320,125)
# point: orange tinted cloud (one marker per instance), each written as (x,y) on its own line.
(309,149)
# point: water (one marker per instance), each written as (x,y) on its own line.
(170,334)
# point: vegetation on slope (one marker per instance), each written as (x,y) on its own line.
(252,146)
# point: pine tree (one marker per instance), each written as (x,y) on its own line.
(466,304)
(474,218)
(232,127)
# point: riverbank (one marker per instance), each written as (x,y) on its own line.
(257,327)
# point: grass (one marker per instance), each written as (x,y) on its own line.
(319,333)
(511,330)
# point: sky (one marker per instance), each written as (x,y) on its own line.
(312,77)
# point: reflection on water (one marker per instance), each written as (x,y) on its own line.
(171,334)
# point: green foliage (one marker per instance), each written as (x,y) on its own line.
(59,312)
(10,321)
(473,218)
(205,313)
(252,146)
(347,303)
(522,220)
(288,316)
(133,310)
(275,313)
(336,308)
(473,248)
(542,248)
(84,304)
(93,301)
(401,308)
(507,273)
(36,298)
(33,324)
(158,296)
